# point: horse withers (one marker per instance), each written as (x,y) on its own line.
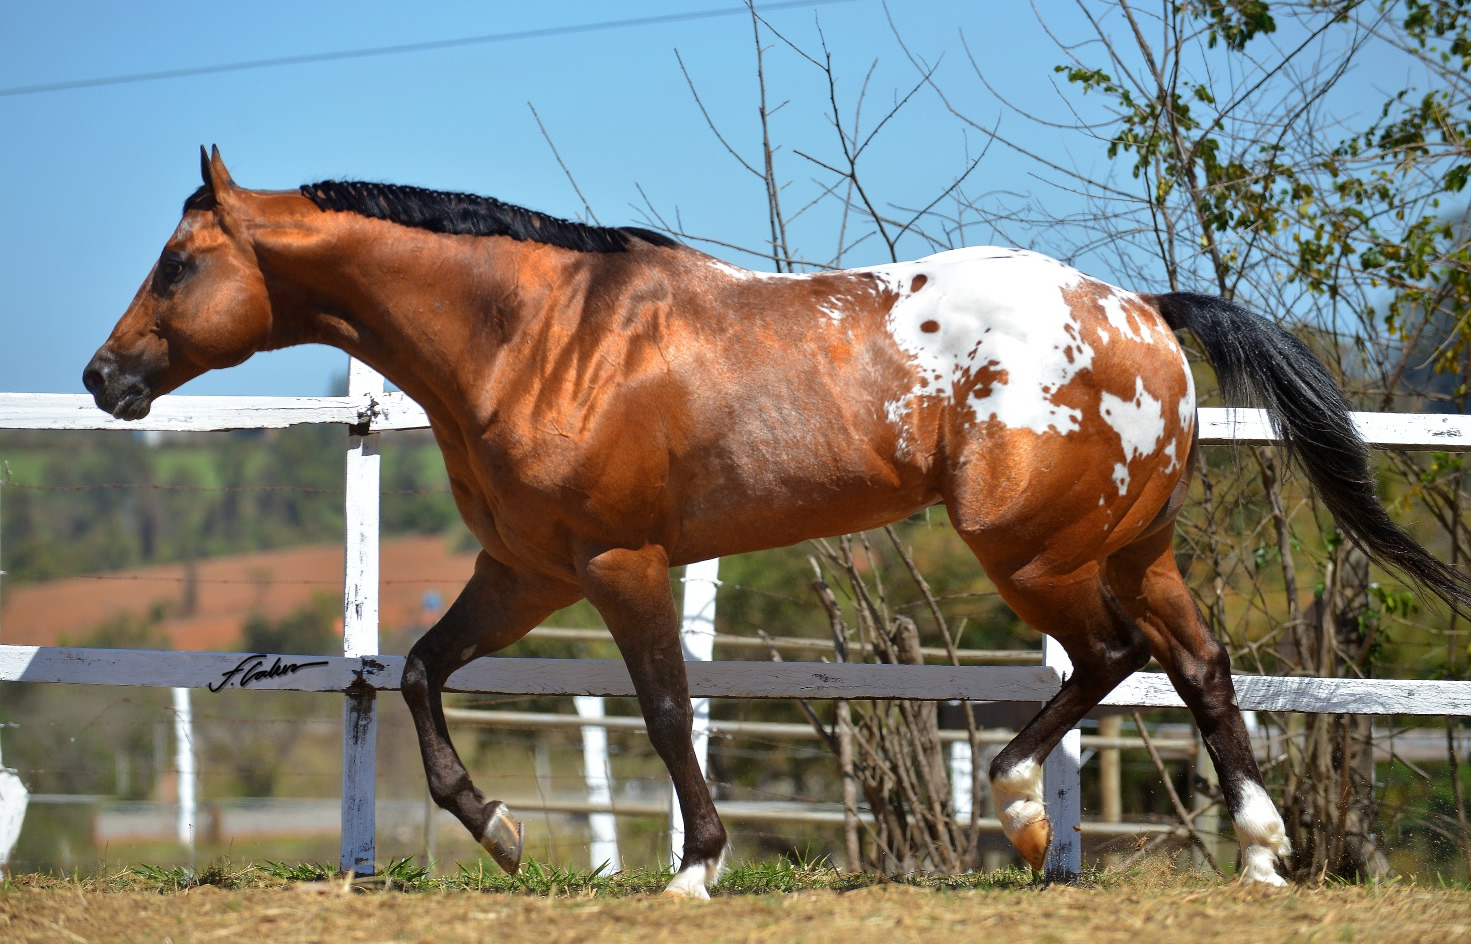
(611,404)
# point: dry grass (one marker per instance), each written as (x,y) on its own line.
(1148,906)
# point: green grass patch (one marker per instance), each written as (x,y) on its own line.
(535,879)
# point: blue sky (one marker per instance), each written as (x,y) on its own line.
(91,179)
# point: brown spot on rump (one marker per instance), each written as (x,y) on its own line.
(918,283)
(1086,300)
(929,326)
(978,383)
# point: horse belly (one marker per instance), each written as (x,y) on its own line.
(788,492)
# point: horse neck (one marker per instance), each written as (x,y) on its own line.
(430,312)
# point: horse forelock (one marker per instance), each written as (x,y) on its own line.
(465,214)
(201,199)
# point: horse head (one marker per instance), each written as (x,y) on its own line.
(203,305)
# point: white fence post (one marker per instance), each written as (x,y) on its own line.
(360,633)
(962,765)
(184,765)
(13,794)
(1062,784)
(599,779)
(697,639)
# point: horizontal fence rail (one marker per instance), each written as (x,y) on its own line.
(609,677)
(784,731)
(819,647)
(385,412)
(361,673)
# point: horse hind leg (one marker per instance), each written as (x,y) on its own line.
(497,607)
(1081,613)
(631,591)
(1199,666)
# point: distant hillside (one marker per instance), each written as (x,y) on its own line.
(420,576)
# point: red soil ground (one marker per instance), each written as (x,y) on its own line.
(229,589)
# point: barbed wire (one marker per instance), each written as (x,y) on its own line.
(34,579)
(216,489)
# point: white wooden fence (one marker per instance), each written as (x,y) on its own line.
(361,672)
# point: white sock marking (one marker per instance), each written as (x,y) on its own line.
(691,880)
(1018,797)
(1262,836)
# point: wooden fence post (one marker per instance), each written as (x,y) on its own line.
(1110,777)
(1062,786)
(360,633)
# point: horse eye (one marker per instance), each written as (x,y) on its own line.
(170,269)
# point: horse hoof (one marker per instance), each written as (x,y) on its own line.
(1033,841)
(503,837)
(693,893)
(689,882)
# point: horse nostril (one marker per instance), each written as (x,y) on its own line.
(94,378)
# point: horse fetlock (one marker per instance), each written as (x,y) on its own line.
(502,836)
(1018,795)
(1262,836)
(694,877)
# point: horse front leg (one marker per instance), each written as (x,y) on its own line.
(631,591)
(497,607)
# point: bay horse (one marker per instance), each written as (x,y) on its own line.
(611,404)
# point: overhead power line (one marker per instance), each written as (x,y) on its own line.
(403,48)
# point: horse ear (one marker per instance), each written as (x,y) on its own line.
(215,175)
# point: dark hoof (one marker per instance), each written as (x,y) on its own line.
(503,837)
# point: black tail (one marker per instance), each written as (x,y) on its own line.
(1259,363)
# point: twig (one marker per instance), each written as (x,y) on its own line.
(563,164)
(1186,819)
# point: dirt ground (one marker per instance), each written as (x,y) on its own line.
(887,914)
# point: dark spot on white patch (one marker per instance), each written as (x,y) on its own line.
(918,283)
(930,326)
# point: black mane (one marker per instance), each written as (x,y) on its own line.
(465,214)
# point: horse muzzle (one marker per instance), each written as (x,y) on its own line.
(121,393)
